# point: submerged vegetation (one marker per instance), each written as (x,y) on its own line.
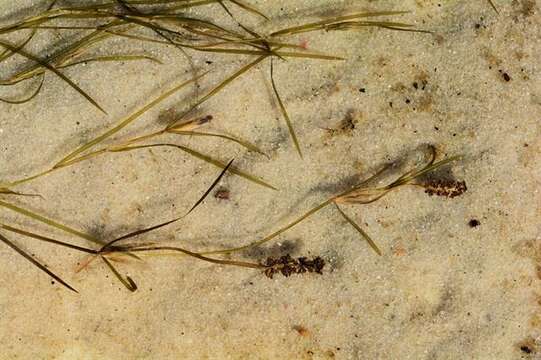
(363,193)
(491,2)
(165,22)
(168,25)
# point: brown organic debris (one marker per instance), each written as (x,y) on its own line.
(286,265)
(222,194)
(446,188)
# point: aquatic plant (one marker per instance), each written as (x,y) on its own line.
(363,193)
(170,26)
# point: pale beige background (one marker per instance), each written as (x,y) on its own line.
(442,290)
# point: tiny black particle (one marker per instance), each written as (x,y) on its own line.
(506,77)
(474,223)
(363,90)
(525,349)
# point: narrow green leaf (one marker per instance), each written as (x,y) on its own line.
(35,262)
(128,282)
(203,157)
(133,234)
(198,256)
(494,6)
(249,8)
(28,98)
(216,181)
(318,25)
(224,83)
(241,142)
(114,58)
(49,222)
(284,112)
(45,64)
(46,239)
(273,235)
(361,231)
(126,121)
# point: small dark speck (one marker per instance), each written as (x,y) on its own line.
(391,104)
(363,90)
(474,223)
(415,85)
(222,194)
(506,76)
(408,101)
(208,62)
(525,349)
(436,128)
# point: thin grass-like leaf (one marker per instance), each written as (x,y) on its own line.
(6,191)
(274,234)
(249,8)
(491,2)
(48,221)
(349,25)
(216,181)
(203,157)
(46,239)
(133,234)
(45,64)
(28,98)
(429,167)
(127,282)
(241,142)
(284,112)
(318,25)
(6,54)
(126,121)
(190,124)
(113,58)
(198,256)
(36,263)
(223,84)
(307,55)
(360,230)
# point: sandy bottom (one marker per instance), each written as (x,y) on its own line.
(458,279)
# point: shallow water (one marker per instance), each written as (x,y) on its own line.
(458,277)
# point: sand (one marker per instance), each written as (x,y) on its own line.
(443,288)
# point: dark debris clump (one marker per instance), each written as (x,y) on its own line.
(286,265)
(447,188)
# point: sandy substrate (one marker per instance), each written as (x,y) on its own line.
(443,289)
